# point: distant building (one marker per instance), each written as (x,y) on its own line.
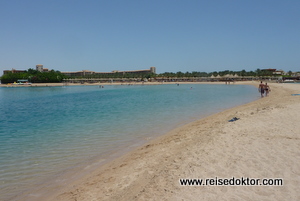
(39,67)
(83,73)
(269,70)
(274,71)
(79,73)
(13,71)
(87,72)
(279,72)
(297,74)
(153,70)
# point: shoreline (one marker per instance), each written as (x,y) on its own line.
(115,83)
(141,167)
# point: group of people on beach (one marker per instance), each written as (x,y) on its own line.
(264,89)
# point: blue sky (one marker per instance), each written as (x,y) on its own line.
(172,35)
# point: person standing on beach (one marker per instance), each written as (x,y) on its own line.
(267,89)
(261,89)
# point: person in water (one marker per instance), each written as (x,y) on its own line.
(261,89)
(267,89)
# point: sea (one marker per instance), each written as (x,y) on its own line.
(48,132)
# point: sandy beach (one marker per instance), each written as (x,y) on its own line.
(262,143)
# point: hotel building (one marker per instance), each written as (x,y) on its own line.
(84,73)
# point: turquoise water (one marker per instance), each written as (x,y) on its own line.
(45,131)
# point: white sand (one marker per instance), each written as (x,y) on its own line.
(263,143)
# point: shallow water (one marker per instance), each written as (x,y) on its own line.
(48,130)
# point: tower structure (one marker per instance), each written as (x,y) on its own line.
(39,67)
(153,70)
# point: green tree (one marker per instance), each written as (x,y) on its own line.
(243,73)
(258,72)
(34,76)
